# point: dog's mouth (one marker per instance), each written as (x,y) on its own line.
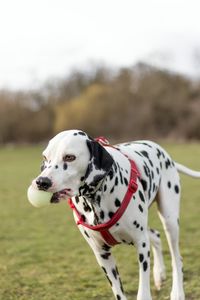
(61,195)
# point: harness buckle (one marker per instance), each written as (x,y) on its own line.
(132,186)
(102,140)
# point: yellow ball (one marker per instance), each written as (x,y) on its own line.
(38,198)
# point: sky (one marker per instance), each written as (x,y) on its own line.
(42,39)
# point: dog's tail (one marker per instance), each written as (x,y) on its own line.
(187,171)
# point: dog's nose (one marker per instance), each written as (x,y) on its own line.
(43,183)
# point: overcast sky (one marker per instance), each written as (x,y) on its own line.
(47,38)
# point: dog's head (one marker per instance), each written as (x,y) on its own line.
(72,162)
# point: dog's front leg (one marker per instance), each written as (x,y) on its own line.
(107,263)
(143,251)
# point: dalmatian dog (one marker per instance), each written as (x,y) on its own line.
(96,178)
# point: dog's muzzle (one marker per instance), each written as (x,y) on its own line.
(62,195)
(43,183)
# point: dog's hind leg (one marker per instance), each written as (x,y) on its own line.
(168,207)
(158,262)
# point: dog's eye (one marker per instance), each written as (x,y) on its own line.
(69,157)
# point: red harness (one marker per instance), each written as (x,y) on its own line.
(104,228)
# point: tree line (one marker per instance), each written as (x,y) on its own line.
(141,102)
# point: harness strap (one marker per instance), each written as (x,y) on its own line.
(104,228)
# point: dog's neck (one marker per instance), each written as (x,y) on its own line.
(97,204)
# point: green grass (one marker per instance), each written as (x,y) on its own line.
(44,257)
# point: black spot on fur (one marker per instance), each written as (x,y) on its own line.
(107,276)
(106,255)
(119,297)
(157,170)
(141,257)
(137,225)
(65,166)
(121,178)
(114,273)
(167,163)
(145,265)
(117,202)
(105,187)
(109,280)
(169,184)
(144,184)
(102,214)
(158,153)
(140,208)
(105,247)
(141,196)
(124,241)
(117,271)
(86,234)
(112,190)
(150,161)
(98,199)
(143,245)
(145,154)
(116,181)
(110,214)
(147,145)
(86,207)
(126,181)
(111,174)
(138,153)
(83,218)
(146,171)
(97,179)
(176,188)
(81,133)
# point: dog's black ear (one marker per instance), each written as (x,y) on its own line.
(100,163)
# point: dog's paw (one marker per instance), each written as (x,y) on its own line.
(177,295)
(159,277)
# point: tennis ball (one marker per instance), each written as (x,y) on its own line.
(38,198)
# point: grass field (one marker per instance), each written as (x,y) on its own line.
(44,257)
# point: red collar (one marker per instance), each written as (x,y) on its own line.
(104,228)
